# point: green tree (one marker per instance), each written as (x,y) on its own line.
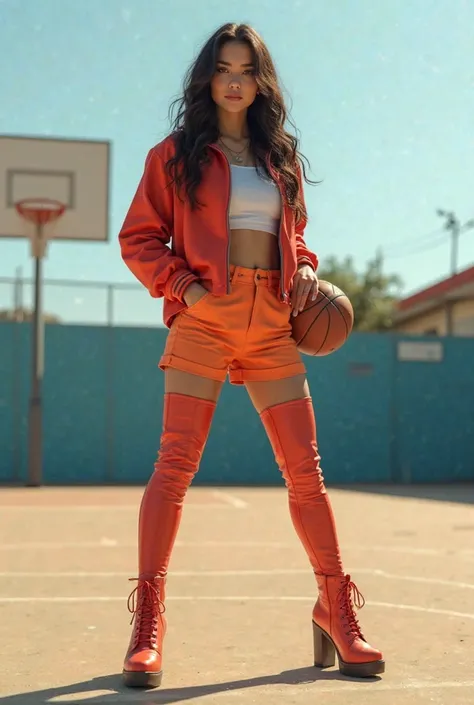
(373,293)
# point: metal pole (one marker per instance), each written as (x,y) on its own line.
(110,304)
(35,445)
(454,226)
(109,394)
(16,374)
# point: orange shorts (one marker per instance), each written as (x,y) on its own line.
(245,334)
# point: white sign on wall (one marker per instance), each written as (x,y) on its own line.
(417,351)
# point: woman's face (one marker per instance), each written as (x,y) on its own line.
(234,86)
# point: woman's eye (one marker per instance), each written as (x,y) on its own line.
(250,72)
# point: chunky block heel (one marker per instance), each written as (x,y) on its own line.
(324,651)
(325,657)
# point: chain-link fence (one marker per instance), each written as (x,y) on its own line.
(80,302)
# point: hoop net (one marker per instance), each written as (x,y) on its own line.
(41,212)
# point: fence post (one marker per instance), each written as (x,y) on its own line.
(18,317)
(18,309)
(110,304)
(110,372)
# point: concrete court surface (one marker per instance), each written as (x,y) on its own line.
(240,594)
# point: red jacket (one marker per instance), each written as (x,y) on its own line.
(199,239)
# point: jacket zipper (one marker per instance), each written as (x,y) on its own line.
(218,149)
(282,279)
(228,227)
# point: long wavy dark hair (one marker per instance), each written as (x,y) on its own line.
(195,125)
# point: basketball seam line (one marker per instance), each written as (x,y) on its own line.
(328,301)
(313,322)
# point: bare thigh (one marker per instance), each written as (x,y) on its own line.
(192,385)
(269,393)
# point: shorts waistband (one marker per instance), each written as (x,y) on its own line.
(260,277)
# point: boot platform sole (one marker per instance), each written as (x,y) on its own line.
(142,679)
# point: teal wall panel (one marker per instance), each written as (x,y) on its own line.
(379,419)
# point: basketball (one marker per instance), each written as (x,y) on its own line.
(324,325)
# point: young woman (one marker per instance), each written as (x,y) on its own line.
(225,188)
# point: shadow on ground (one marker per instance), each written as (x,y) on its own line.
(120,694)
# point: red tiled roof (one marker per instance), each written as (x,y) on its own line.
(439,289)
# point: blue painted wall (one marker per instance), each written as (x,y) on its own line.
(379,419)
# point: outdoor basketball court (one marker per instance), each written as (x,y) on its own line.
(240,595)
(50,188)
(240,591)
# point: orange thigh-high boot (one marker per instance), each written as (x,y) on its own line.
(291,429)
(186,424)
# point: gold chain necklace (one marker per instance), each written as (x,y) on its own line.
(235,155)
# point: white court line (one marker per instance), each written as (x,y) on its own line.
(227,598)
(226,500)
(49,545)
(230,499)
(414,578)
(411,550)
(106,542)
(177,573)
(316,688)
(104,507)
(429,610)
(239,573)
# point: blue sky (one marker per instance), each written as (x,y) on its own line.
(382,95)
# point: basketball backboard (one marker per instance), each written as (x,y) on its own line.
(74,172)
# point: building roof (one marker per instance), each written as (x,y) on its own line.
(458,287)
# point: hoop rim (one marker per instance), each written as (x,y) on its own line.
(40,210)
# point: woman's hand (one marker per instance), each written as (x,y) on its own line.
(193,293)
(305,284)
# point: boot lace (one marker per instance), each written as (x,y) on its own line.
(146,607)
(350,595)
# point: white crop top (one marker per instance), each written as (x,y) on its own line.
(255,202)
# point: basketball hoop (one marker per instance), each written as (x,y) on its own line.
(50,188)
(41,212)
